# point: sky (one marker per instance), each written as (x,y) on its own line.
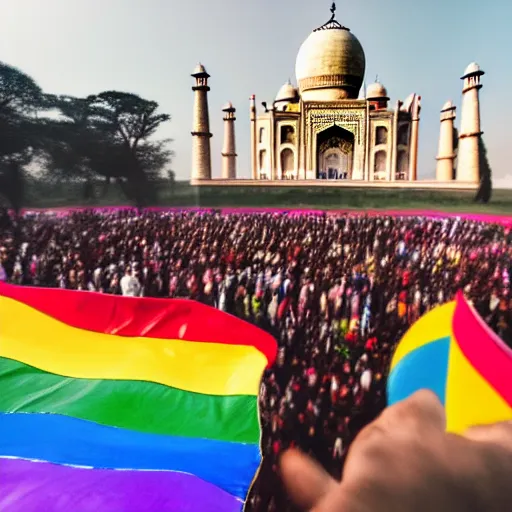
(150,47)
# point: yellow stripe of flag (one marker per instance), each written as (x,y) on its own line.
(41,341)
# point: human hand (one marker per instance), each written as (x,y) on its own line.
(405,462)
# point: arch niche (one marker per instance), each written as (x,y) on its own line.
(263,165)
(379,171)
(403,134)
(335,153)
(402,170)
(381,135)
(287,164)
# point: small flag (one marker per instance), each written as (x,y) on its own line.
(452,352)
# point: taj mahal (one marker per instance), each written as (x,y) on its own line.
(328,131)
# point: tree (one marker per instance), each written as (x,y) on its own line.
(171,176)
(20,100)
(13,179)
(75,149)
(110,135)
(484,192)
(18,92)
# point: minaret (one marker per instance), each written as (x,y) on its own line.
(468,157)
(229,148)
(201,158)
(446,153)
(254,139)
(415,122)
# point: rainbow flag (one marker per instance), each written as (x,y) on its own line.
(112,404)
(452,352)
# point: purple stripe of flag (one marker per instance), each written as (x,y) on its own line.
(36,486)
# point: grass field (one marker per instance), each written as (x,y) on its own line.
(183,194)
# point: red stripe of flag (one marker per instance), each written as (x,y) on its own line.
(143,317)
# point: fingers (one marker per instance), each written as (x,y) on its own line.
(493,444)
(306,481)
(309,485)
(411,420)
(419,411)
(497,433)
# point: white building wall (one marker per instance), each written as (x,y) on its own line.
(263,144)
(375,147)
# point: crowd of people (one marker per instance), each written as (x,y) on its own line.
(337,292)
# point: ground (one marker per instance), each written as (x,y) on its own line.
(62,195)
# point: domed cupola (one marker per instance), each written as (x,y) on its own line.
(330,64)
(377,95)
(287,94)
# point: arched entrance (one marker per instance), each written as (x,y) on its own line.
(335,154)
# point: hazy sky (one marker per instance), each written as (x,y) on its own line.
(150,47)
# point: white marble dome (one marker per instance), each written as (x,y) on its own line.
(287,93)
(199,70)
(331,58)
(227,107)
(376,91)
(473,69)
(447,106)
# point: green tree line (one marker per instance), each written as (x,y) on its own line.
(110,136)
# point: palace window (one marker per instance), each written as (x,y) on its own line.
(262,135)
(381,135)
(287,134)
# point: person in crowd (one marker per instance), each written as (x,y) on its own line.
(336,291)
(130,285)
